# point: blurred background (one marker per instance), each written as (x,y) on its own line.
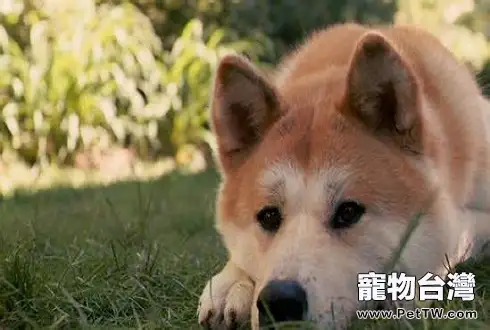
(110,89)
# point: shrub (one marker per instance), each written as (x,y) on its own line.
(89,76)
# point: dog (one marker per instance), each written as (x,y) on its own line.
(327,160)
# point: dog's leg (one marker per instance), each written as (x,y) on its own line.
(227,299)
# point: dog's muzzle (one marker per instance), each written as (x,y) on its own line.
(281,301)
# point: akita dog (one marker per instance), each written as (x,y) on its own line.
(325,162)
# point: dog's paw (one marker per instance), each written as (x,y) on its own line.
(226,300)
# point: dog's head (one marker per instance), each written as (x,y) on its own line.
(321,179)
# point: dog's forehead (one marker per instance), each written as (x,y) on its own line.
(289,182)
(305,157)
(312,161)
(311,137)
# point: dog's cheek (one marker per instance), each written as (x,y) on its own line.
(374,239)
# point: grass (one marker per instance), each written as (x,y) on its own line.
(130,255)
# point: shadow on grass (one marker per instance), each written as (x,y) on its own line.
(132,254)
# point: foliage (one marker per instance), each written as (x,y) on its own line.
(455,22)
(88,77)
(288,22)
(283,22)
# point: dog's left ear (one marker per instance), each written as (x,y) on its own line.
(383,93)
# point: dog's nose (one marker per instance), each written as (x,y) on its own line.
(281,301)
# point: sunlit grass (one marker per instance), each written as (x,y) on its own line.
(18,176)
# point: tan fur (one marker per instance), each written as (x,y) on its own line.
(313,136)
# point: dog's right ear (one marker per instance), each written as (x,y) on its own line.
(383,92)
(244,105)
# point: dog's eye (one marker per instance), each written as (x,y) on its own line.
(347,214)
(269,218)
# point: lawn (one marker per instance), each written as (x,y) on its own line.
(132,254)
(127,255)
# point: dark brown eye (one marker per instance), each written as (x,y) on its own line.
(347,214)
(270,218)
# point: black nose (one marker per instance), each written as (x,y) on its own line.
(281,301)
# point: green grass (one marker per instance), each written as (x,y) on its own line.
(124,256)
(128,255)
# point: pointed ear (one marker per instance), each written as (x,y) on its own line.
(383,92)
(244,106)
